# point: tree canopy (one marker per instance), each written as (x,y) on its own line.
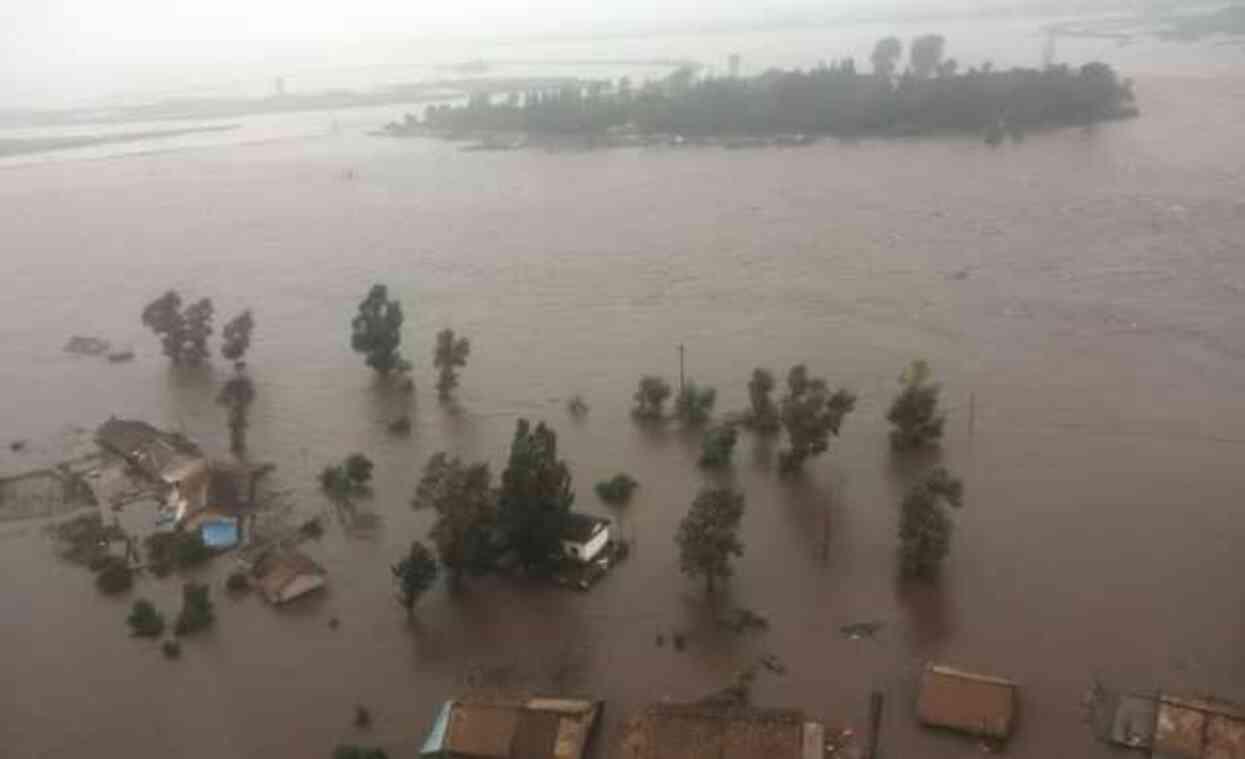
(926,55)
(708,537)
(196,613)
(450,354)
(183,332)
(236,396)
(925,526)
(717,446)
(236,336)
(535,496)
(914,414)
(810,414)
(650,398)
(414,574)
(886,54)
(694,403)
(466,507)
(763,414)
(376,331)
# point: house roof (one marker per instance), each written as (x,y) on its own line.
(704,731)
(977,704)
(153,450)
(1195,728)
(124,436)
(503,728)
(580,528)
(277,568)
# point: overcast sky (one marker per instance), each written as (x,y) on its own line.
(71,45)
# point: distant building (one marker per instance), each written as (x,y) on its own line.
(584,536)
(705,731)
(518,728)
(732,65)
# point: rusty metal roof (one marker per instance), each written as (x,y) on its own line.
(972,703)
(1199,729)
(697,731)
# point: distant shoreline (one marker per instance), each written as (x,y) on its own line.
(25,146)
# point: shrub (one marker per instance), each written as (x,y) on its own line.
(115,576)
(145,621)
(617,490)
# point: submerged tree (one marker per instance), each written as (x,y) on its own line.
(466,506)
(535,496)
(763,414)
(198,320)
(718,445)
(708,537)
(145,621)
(347,478)
(810,414)
(694,404)
(650,397)
(236,336)
(414,575)
(926,55)
(914,413)
(163,316)
(617,490)
(886,56)
(376,332)
(196,613)
(925,526)
(451,353)
(237,396)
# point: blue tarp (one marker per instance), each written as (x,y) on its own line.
(220,533)
(434,745)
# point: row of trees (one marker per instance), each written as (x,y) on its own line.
(376,333)
(930,95)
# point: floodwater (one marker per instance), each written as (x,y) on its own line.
(1081,295)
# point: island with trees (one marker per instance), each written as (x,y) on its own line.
(930,95)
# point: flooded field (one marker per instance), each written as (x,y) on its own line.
(1081,292)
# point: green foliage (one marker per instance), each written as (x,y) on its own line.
(163,316)
(236,336)
(695,403)
(351,477)
(708,536)
(925,527)
(451,353)
(196,614)
(617,490)
(359,469)
(466,507)
(359,752)
(535,496)
(828,100)
(198,320)
(84,539)
(236,396)
(414,575)
(376,331)
(718,445)
(650,397)
(926,55)
(914,413)
(114,575)
(886,56)
(178,549)
(763,414)
(145,621)
(183,333)
(810,414)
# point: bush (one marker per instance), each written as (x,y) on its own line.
(178,549)
(718,445)
(115,576)
(617,490)
(196,611)
(171,649)
(359,469)
(145,621)
(237,582)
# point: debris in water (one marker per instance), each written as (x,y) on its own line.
(861,630)
(661,640)
(362,717)
(773,664)
(746,620)
(17,446)
(334,623)
(679,642)
(86,346)
(400,426)
(121,357)
(172,649)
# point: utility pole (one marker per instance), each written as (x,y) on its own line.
(682,381)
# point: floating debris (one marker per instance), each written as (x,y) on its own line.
(121,357)
(860,630)
(87,346)
(400,426)
(746,620)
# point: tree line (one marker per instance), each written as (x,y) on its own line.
(930,95)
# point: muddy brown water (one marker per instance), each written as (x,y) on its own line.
(1082,291)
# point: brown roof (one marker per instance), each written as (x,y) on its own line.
(1193,728)
(536,736)
(977,704)
(278,568)
(483,730)
(519,728)
(144,445)
(693,731)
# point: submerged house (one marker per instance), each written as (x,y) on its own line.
(283,574)
(518,728)
(1180,728)
(153,452)
(712,731)
(980,705)
(584,536)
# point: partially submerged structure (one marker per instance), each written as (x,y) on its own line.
(709,731)
(1170,727)
(519,728)
(211,497)
(151,451)
(584,536)
(283,574)
(980,705)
